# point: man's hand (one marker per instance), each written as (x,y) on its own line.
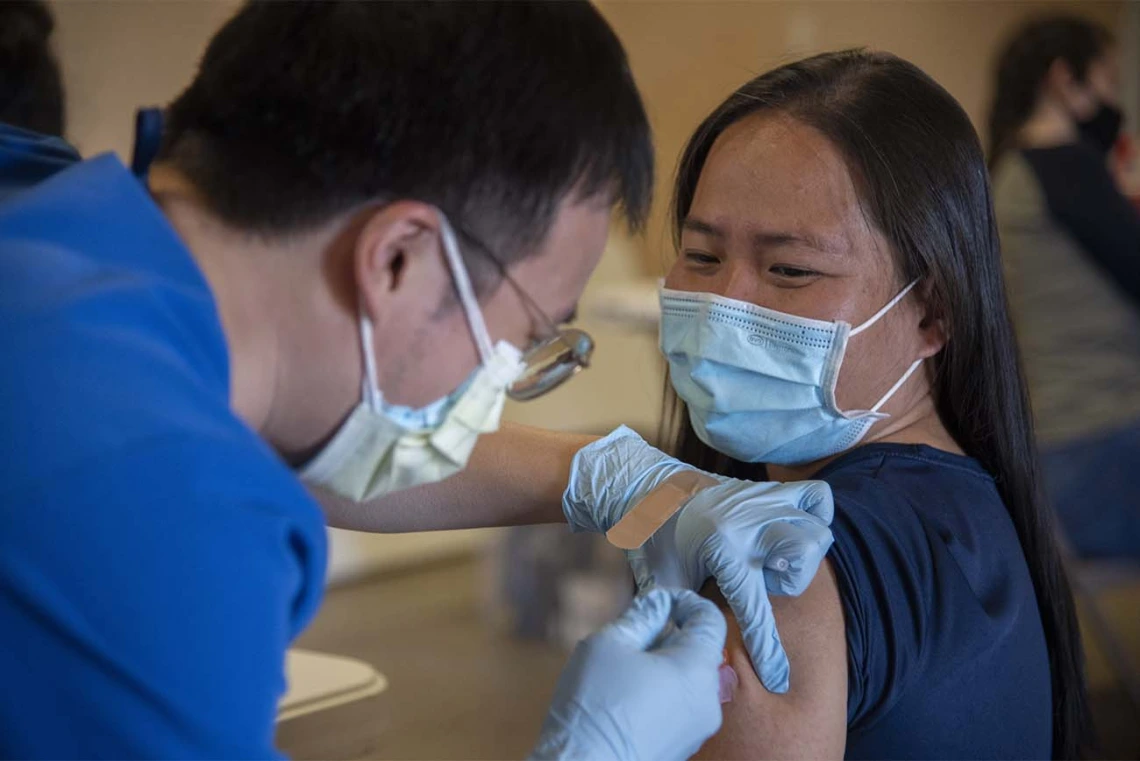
(644,687)
(754,538)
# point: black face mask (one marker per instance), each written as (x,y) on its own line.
(1102,128)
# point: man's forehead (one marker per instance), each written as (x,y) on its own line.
(557,274)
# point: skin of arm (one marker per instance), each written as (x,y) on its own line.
(516,476)
(810,720)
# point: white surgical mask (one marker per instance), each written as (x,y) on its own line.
(760,384)
(382,448)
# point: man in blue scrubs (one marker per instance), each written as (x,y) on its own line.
(349,197)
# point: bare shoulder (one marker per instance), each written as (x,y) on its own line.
(810,720)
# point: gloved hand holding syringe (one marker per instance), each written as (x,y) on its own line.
(679,527)
(635,533)
(686,526)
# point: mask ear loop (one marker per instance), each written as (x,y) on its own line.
(897,386)
(369,390)
(871,321)
(466,291)
(890,304)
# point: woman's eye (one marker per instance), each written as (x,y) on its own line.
(786,271)
(701,258)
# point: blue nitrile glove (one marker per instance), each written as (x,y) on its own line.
(755,538)
(752,541)
(644,687)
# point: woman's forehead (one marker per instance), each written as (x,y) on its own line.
(773,172)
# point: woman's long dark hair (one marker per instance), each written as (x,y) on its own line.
(1024,63)
(921,178)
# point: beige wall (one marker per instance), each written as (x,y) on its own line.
(687,55)
(118,55)
(1129,38)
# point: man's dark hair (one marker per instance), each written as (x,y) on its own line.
(31,91)
(493,111)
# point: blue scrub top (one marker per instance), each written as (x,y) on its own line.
(156,557)
(28,157)
(945,647)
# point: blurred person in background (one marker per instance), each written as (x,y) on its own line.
(1071,245)
(31,95)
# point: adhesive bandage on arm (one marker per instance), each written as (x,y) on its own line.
(654,511)
(646,517)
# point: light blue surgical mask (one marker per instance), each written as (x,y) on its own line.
(760,384)
(427,418)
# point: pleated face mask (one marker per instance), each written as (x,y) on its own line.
(760,384)
(383,447)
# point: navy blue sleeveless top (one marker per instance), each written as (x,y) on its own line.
(946,652)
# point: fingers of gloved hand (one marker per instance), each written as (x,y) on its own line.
(643,622)
(737,509)
(790,553)
(741,581)
(645,687)
(700,630)
(594,472)
(642,569)
(811,497)
(610,476)
(815,498)
(695,647)
(743,518)
(657,562)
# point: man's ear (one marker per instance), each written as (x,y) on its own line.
(398,261)
(932,328)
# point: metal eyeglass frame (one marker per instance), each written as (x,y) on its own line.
(556,358)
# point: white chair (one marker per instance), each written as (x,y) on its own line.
(318,682)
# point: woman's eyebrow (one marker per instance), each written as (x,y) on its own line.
(767,238)
(695,225)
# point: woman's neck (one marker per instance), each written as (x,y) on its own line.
(920,424)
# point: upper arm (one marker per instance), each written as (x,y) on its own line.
(810,720)
(856,638)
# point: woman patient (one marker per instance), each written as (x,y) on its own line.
(838,253)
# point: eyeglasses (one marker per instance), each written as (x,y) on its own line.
(556,358)
(552,362)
